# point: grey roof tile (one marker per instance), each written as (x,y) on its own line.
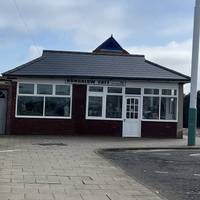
(64,63)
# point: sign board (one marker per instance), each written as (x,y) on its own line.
(95,81)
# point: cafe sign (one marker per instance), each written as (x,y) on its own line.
(94,81)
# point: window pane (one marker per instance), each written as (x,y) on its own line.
(166,92)
(62,90)
(150,107)
(133,91)
(2,95)
(174,92)
(114,90)
(151,91)
(26,88)
(30,106)
(113,106)
(168,108)
(95,106)
(44,89)
(95,89)
(57,106)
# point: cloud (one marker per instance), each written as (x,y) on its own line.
(174,55)
(34,51)
(91,20)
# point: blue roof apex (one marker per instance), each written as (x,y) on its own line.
(110,46)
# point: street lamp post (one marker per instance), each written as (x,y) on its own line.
(194,77)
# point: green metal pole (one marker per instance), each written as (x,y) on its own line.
(192,126)
(194,78)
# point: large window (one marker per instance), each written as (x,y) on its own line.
(104,102)
(150,107)
(113,106)
(95,106)
(30,106)
(43,100)
(57,106)
(160,105)
(168,108)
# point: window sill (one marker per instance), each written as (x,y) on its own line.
(41,117)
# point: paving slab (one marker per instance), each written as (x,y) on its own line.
(29,170)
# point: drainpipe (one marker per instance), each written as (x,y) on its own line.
(192,121)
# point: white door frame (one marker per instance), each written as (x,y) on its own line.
(132,126)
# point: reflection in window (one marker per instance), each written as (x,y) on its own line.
(151,108)
(133,91)
(114,90)
(57,106)
(113,106)
(26,88)
(30,106)
(168,108)
(151,91)
(2,95)
(95,106)
(96,89)
(169,92)
(44,89)
(166,92)
(62,90)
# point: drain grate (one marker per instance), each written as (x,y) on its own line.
(52,144)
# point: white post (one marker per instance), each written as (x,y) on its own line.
(194,77)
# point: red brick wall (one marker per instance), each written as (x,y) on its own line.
(78,125)
(159,129)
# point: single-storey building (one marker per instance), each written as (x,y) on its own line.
(106,92)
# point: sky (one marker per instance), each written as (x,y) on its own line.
(159,29)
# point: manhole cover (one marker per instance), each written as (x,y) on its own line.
(51,144)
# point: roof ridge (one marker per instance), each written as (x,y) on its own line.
(23,65)
(91,53)
(167,69)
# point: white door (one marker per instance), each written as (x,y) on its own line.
(3,106)
(132,122)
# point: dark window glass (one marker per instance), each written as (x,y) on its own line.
(151,91)
(62,90)
(95,89)
(150,107)
(44,89)
(114,90)
(57,106)
(168,108)
(2,95)
(113,106)
(26,88)
(175,92)
(166,92)
(30,106)
(95,106)
(133,91)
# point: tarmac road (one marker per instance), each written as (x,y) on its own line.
(175,174)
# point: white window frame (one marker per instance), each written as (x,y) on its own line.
(160,95)
(103,95)
(44,96)
(134,85)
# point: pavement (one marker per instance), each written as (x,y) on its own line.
(173,173)
(59,168)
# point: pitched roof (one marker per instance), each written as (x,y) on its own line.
(95,65)
(110,46)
